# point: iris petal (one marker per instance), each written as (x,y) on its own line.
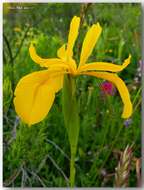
(73,33)
(35,93)
(103,66)
(89,42)
(71,64)
(61,53)
(44,62)
(123,91)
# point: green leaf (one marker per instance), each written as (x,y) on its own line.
(71,118)
(71,111)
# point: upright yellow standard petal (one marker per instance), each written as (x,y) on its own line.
(89,42)
(73,33)
(44,62)
(34,95)
(118,82)
(61,53)
(103,66)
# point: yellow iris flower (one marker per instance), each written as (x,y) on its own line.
(35,92)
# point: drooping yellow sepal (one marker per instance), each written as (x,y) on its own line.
(35,93)
(104,66)
(43,62)
(120,85)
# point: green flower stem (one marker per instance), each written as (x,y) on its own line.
(71,118)
(72,170)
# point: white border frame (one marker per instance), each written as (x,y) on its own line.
(73,1)
(1,102)
(1,78)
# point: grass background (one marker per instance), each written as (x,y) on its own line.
(39,156)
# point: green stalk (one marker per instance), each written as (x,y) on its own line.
(72,171)
(71,118)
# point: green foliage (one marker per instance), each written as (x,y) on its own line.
(25,148)
(7,94)
(39,156)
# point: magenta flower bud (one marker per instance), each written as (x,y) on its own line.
(107,88)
